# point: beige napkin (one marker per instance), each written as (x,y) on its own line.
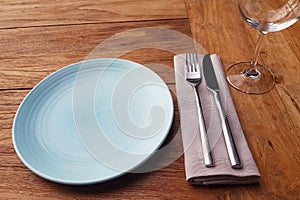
(196,172)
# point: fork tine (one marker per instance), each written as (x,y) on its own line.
(187,63)
(190,62)
(196,63)
(193,63)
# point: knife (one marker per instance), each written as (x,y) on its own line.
(213,86)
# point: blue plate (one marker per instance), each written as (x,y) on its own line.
(92,121)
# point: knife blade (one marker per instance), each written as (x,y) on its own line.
(213,87)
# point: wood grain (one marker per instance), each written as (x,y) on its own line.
(30,54)
(40,37)
(270,121)
(18,13)
(280,51)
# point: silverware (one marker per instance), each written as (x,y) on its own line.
(193,76)
(213,86)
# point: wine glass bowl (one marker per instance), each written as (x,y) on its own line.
(265,16)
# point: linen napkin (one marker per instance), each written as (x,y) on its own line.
(196,171)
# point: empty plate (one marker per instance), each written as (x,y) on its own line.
(92,121)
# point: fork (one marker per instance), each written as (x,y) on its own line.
(193,77)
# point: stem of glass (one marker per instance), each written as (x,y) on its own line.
(257,49)
(252,72)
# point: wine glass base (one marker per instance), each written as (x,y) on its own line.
(257,81)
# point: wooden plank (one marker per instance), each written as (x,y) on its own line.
(280,50)
(18,13)
(30,54)
(292,37)
(282,56)
(270,121)
(216,25)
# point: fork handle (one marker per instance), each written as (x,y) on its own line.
(208,160)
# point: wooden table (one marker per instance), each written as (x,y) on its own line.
(40,37)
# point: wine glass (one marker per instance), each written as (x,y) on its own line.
(266,16)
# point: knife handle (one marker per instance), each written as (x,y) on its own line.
(208,160)
(229,141)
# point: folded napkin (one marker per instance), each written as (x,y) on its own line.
(196,171)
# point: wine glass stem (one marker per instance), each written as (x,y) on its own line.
(252,72)
(257,49)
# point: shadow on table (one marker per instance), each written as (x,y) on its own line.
(106,187)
